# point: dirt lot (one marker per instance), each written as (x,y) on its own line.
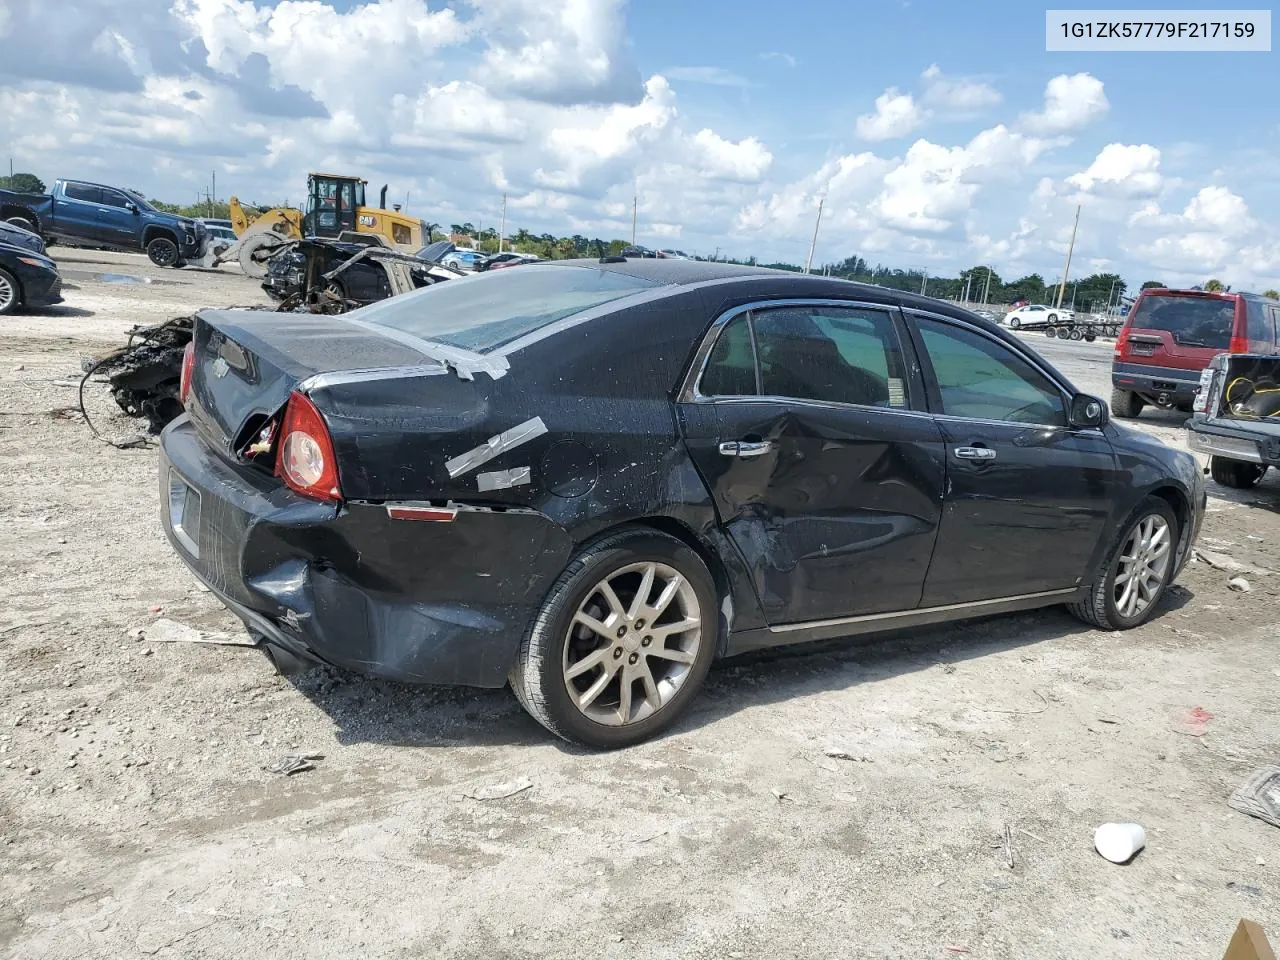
(136,818)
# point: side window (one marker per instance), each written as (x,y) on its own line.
(835,354)
(1260,322)
(981,379)
(81,191)
(113,198)
(731,367)
(1274,313)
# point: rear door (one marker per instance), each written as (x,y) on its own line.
(76,213)
(824,475)
(1027,497)
(118,222)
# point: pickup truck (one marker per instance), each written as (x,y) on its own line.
(1235,418)
(84,214)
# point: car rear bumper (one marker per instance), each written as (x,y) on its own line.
(1229,444)
(421,602)
(1178,385)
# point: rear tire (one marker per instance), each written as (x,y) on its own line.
(1237,474)
(1014,323)
(163,252)
(22,222)
(1050,333)
(1090,336)
(1053,318)
(558,641)
(1126,403)
(1077,334)
(1136,571)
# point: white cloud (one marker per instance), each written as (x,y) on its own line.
(1071,102)
(1218,207)
(896,115)
(956,95)
(1131,170)
(747,160)
(784,58)
(714,76)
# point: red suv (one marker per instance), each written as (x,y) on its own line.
(1171,335)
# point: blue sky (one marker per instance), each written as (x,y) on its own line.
(940,135)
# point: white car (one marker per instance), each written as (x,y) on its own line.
(1036,315)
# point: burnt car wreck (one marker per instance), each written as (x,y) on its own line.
(590,479)
(306,276)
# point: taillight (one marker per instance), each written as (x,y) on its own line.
(1238,344)
(306,460)
(188,367)
(1122,343)
(1239,331)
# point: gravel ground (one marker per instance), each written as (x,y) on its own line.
(137,819)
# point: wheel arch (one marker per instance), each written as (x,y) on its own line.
(155,231)
(11,211)
(681,531)
(1180,502)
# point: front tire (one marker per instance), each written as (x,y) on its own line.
(622,643)
(1014,323)
(1126,403)
(1136,571)
(163,252)
(10,293)
(1237,474)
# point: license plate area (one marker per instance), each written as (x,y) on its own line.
(1143,349)
(1271,450)
(184,513)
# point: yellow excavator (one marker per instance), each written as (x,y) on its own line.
(335,210)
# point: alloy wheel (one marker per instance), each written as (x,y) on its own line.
(632,643)
(1142,566)
(8,293)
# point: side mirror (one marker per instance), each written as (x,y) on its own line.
(1087,411)
(132,208)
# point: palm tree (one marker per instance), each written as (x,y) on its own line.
(1213,286)
(1272,293)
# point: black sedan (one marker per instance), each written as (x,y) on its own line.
(27,279)
(16,236)
(591,479)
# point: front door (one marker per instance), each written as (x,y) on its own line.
(1027,496)
(77,213)
(823,475)
(116,216)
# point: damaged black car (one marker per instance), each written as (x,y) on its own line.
(591,479)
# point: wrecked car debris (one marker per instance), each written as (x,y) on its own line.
(1259,796)
(332,276)
(294,764)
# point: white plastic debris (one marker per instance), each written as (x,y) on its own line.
(1239,585)
(1119,842)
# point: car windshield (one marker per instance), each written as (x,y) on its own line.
(487,310)
(1192,321)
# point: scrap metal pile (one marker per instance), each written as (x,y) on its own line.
(305,276)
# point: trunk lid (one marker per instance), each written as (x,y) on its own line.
(247,362)
(1180,331)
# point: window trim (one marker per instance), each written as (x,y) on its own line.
(934,396)
(82,184)
(690,390)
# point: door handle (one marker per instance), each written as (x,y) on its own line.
(745,448)
(975,453)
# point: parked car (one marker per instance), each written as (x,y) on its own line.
(27,279)
(468,260)
(592,479)
(1170,336)
(1236,418)
(674,255)
(92,215)
(637,252)
(1036,315)
(508,259)
(16,236)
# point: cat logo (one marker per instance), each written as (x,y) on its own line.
(366,220)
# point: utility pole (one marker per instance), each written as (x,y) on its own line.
(502,229)
(986,288)
(635,206)
(924,281)
(814,242)
(214,199)
(967,280)
(1062,287)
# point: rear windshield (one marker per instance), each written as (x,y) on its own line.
(484,311)
(1192,321)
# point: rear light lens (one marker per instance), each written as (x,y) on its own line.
(188,367)
(1122,343)
(1238,345)
(306,460)
(1239,330)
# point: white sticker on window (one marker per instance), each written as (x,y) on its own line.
(897,392)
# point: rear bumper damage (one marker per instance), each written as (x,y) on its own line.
(415,601)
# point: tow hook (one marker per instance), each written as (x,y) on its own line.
(1163,400)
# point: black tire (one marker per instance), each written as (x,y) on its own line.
(163,252)
(22,222)
(1077,334)
(1126,403)
(1050,333)
(1237,474)
(537,675)
(1053,318)
(10,292)
(1014,323)
(1099,609)
(1090,336)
